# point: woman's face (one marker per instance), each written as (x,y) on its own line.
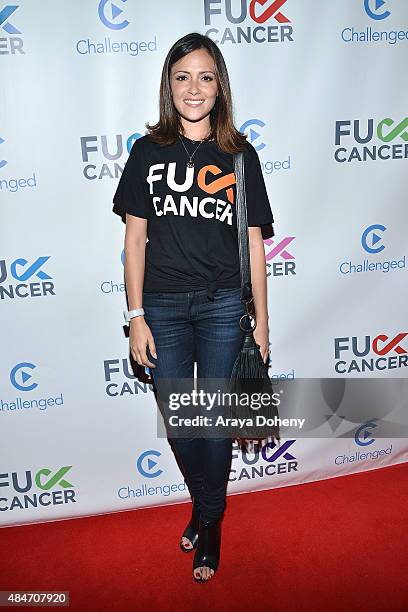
(193,85)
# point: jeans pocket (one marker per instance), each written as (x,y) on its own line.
(159,306)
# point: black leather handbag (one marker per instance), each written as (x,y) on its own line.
(249,377)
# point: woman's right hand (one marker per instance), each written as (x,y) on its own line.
(140,337)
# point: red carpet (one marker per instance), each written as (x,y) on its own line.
(338,544)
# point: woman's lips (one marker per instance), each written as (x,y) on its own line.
(193,102)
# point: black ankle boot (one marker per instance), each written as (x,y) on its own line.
(191,531)
(208,549)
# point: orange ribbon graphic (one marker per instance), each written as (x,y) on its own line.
(224,182)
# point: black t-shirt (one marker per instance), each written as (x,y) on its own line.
(192,231)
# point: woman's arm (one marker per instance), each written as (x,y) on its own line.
(259,289)
(135,249)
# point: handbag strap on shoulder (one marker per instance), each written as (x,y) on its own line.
(242,228)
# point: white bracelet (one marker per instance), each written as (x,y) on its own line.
(131,314)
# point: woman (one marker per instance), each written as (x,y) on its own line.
(178,190)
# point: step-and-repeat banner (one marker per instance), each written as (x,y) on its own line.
(321,91)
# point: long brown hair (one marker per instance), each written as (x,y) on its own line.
(167,129)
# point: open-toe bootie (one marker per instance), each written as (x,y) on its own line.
(191,531)
(208,549)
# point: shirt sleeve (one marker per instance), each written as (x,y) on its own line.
(259,211)
(131,194)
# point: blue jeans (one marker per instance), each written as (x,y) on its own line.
(189,327)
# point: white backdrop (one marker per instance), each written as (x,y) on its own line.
(320,88)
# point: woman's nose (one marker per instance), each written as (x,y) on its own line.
(194,87)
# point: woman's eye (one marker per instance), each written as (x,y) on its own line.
(181,77)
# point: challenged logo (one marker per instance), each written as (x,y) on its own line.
(370,238)
(19,376)
(364,435)
(253,137)
(375,10)
(111,15)
(372,242)
(372,7)
(146,465)
(112,287)
(253,134)
(14,184)
(108,13)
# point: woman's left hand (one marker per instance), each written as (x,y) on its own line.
(261,336)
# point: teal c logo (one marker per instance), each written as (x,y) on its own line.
(364,435)
(253,134)
(108,14)
(370,238)
(145,465)
(19,376)
(373,12)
